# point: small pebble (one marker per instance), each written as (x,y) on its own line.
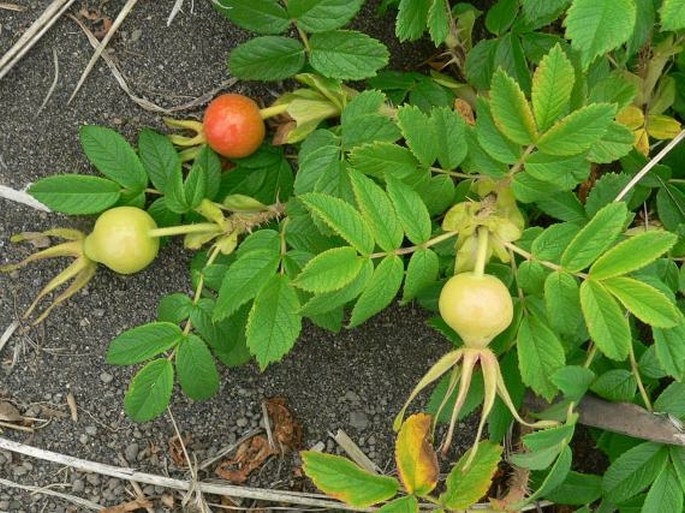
(83,439)
(91,430)
(78,486)
(359,420)
(241,422)
(106,377)
(131,452)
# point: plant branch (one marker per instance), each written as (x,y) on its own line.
(529,256)
(405,251)
(636,373)
(651,164)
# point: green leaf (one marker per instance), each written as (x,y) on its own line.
(113,156)
(76,194)
(174,308)
(563,205)
(633,471)
(604,191)
(501,15)
(226,338)
(578,131)
(563,171)
(672,400)
(196,369)
(419,133)
(195,185)
(528,189)
(342,218)
(243,281)
(562,300)
(666,493)
(595,29)
(411,211)
(633,254)
(672,14)
(605,321)
(262,16)
(615,385)
(554,478)
(379,159)
(412,16)
(598,235)
(670,205)
(380,290)
(330,270)
(540,355)
(407,504)
(539,459)
(510,109)
(614,144)
(552,86)
(464,486)
(377,211)
(327,301)
(210,164)
(346,54)
(543,12)
(670,350)
(450,130)
(573,381)
(553,241)
(149,392)
(267,58)
(422,271)
(274,322)
(677,456)
(438,21)
(320,15)
(363,121)
(644,301)
(159,157)
(142,343)
(341,479)
(577,489)
(491,139)
(480,63)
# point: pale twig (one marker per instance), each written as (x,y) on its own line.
(46,491)
(7,334)
(21,197)
(12,7)
(54,82)
(174,11)
(142,102)
(353,451)
(33,34)
(103,44)
(648,167)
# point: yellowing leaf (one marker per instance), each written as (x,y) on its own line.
(632,117)
(662,127)
(416,459)
(642,141)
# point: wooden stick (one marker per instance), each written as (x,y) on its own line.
(46,491)
(354,451)
(33,34)
(98,51)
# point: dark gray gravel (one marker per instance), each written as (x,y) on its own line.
(356,380)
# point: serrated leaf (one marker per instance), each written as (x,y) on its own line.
(159,157)
(615,385)
(644,301)
(380,290)
(540,355)
(149,392)
(422,271)
(480,63)
(595,237)
(363,121)
(604,191)
(562,300)
(491,139)
(330,271)
(196,369)
(633,254)
(262,16)
(267,58)
(328,301)
(528,189)
(419,133)
(563,205)
(554,478)
(672,14)
(412,16)
(195,185)
(510,109)
(552,86)
(553,241)
(465,486)
(113,156)
(594,28)
(565,172)
(142,343)
(633,471)
(672,400)
(377,211)
(665,493)
(417,462)
(226,338)
(346,54)
(438,21)
(411,210)
(450,130)
(381,158)
(274,322)
(670,350)
(614,144)
(543,12)
(338,477)
(501,15)
(76,194)
(407,504)
(320,15)
(573,381)
(577,489)
(342,218)
(605,321)
(578,131)
(243,281)
(174,308)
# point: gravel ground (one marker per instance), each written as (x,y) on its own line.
(356,380)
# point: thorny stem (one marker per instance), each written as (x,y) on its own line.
(405,251)
(636,372)
(284,247)
(481,252)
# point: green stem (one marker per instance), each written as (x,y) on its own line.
(481,252)
(455,174)
(405,251)
(200,285)
(517,167)
(636,373)
(529,256)
(274,110)
(184,229)
(305,39)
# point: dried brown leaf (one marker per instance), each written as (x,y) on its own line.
(250,455)
(128,507)
(176,449)
(8,413)
(286,430)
